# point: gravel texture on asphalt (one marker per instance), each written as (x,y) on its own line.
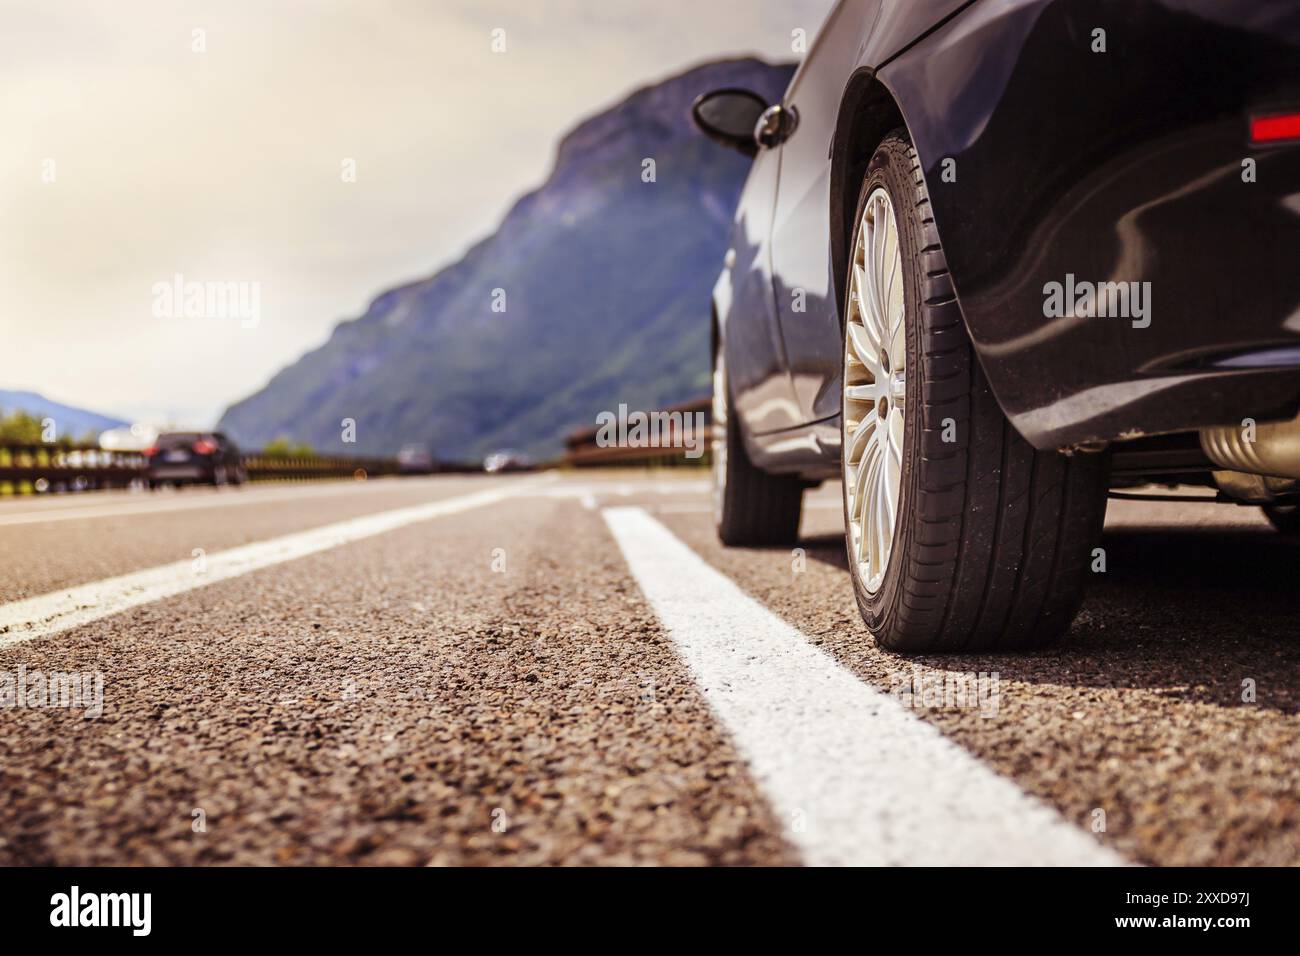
(40,557)
(1139,712)
(398,701)
(392,701)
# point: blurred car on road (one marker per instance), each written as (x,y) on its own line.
(135,437)
(194,458)
(507,460)
(415,460)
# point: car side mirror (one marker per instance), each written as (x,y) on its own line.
(730,117)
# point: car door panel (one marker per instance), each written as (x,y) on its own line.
(804,284)
(803,281)
(755,357)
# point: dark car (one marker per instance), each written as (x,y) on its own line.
(993,260)
(194,458)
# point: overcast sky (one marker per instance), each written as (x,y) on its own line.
(137,148)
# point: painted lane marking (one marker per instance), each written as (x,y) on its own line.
(855,777)
(57,611)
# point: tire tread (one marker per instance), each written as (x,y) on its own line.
(994,550)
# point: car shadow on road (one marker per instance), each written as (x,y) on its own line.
(1188,613)
(826,548)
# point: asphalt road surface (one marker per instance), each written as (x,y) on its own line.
(570,670)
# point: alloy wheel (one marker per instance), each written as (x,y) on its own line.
(875,390)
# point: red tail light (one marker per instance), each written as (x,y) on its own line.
(204,447)
(1275,129)
(151,451)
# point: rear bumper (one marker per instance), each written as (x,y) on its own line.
(180,473)
(1117,167)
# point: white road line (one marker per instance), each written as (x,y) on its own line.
(50,613)
(147,503)
(854,776)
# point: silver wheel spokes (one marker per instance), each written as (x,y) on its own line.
(875,390)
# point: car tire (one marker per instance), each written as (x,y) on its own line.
(991,540)
(751,508)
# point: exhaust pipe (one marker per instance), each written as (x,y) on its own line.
(1275,450)
(1258,463)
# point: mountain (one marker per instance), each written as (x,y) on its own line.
(605,281)
(74,422)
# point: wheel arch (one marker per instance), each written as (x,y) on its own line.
(868,113)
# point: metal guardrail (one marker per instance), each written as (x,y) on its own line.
(583,451)
(57,468)
(26,469)
(274,468)
(66,468)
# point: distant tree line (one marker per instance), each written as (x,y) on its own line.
(283,447)
(20,428)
